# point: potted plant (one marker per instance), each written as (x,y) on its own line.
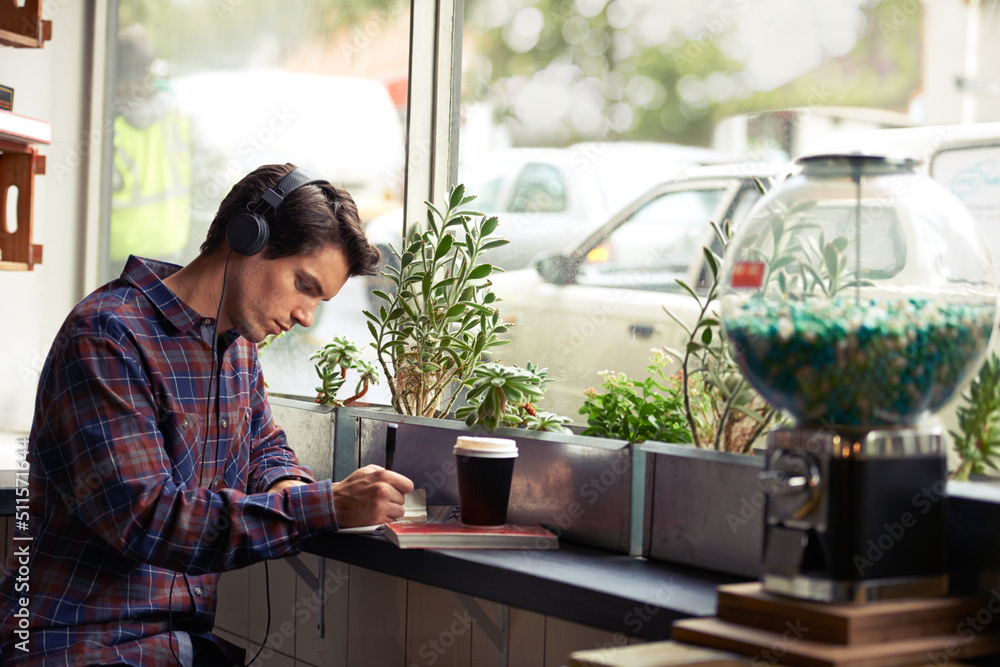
(977,440)
(439,316)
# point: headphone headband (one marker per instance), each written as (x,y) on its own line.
(273,197)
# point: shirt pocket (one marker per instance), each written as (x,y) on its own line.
(236,434)
(182,441)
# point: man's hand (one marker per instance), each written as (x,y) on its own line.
(370,496)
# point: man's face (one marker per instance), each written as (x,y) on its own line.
(268,296)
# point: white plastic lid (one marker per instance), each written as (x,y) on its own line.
(491,448)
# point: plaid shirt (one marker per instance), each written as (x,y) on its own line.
(132,511)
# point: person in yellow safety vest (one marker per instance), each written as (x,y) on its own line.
(151,179)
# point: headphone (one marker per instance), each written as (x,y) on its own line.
(248,231)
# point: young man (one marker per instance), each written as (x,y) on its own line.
(155,463)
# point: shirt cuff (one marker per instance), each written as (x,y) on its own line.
(312,508)
(286,472)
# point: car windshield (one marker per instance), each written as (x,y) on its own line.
(655,247)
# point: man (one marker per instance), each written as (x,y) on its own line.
(155,463)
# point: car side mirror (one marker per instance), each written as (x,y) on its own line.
(556,269)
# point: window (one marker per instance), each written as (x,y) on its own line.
(656,246)
(539,189)
(207,92)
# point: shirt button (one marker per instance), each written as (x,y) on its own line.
(215,484)
(224,422)
(205,321)
(197,590)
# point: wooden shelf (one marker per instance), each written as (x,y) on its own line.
(23,26)
(20,161)
(23,129)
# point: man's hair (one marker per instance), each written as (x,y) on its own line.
(309,217)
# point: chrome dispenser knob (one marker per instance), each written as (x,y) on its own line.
(793,484)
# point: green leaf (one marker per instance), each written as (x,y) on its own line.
(713,263)
(494,243)
(480,271)
(489,225)
(687,289)
(444,246)
(457,195)
(455,310)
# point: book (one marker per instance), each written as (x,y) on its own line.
(455,535)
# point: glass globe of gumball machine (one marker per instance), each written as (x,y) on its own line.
(857,298)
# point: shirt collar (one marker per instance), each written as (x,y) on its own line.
(147,276)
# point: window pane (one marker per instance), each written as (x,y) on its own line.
(208,91)
(647,102)
(656,246)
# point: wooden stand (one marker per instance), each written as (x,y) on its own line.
(23,26)
(19,164)
(758,628)
(774,628)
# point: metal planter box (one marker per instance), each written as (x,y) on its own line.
(310,430)
(704,508)
(581,486)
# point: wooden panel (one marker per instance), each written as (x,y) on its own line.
(331,648)
(17,168)
(231,638)
(281,635)
(232,610)
(269,658)
(21,23)
(799,649)
(527,639)
(439,628)
(563,637)
(749,605)
(376,624)
(659,654)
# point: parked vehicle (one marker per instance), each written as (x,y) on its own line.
(547,197)
(600,303)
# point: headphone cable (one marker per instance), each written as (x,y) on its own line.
(204,447)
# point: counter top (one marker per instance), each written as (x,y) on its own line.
(598,588)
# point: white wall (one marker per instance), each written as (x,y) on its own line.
(51,83)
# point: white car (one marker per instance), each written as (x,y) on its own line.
(599,305)
(548,197)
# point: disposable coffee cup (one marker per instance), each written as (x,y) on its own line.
(485,469)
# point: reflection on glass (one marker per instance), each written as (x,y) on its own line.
(319,83)
(613,81)
(656,246)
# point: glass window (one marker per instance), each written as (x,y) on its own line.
(715,86)
(539,189)
(656,246)
(205,92)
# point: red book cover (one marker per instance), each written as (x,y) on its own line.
(454,535)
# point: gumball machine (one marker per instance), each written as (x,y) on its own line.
(858,298)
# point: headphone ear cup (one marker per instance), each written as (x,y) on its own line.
(247,233)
